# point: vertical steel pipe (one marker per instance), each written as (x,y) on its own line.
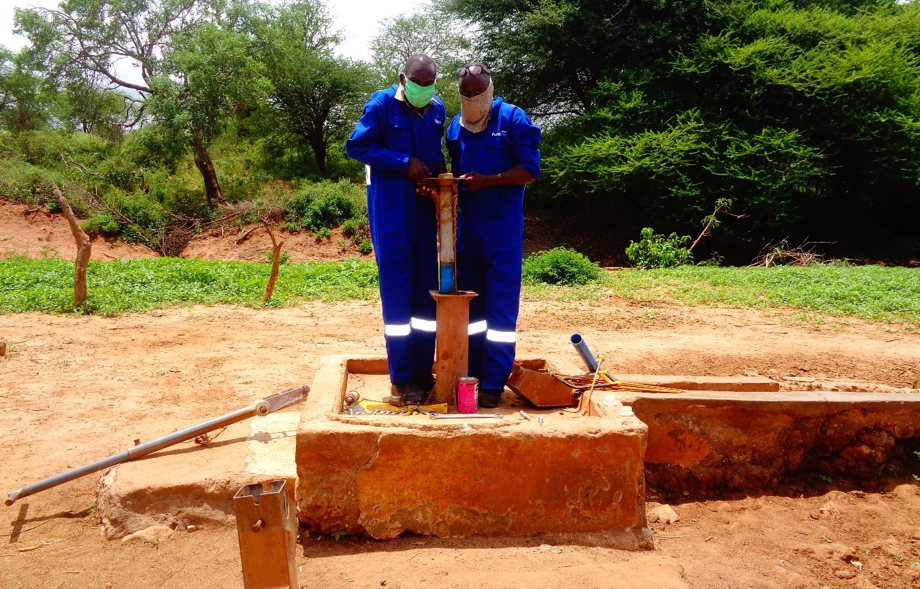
(447,232)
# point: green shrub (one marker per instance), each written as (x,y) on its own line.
(355,227)
(657,251)
(715,260)
(102,222)
(119,173)
(365,247)
(284,258)
(326,204)
(559,266)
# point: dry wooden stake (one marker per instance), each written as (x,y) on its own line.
(84,248)
(276,261)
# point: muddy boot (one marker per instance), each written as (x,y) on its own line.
(489,398)
(405,394)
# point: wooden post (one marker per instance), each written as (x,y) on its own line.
(276,262)
(84,248)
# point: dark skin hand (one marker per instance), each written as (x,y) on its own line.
(423,75)
(471,86)
(418,171)
(473,181)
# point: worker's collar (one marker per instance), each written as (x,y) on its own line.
(401,96)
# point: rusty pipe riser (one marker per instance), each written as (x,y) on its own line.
(447,232)
(263,407)
(452,351)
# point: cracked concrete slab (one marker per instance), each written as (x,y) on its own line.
(192,485)
(569,478)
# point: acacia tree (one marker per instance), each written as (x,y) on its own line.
(316,94)
(549,56)
(23,102)
(192,62)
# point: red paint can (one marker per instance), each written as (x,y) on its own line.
(467,394)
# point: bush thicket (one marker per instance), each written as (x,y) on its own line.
(559,265)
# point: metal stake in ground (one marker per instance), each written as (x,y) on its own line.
(267,528)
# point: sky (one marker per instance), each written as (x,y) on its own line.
(357,18)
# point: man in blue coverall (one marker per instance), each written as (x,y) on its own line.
(398,139)
(494,148)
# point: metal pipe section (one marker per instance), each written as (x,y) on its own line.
(447,232)
(452,344)
(586,356)
(261,408)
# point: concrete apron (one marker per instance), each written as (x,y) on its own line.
(703,442)
(191,485)
(568,479)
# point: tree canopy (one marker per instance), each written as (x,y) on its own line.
(805,114)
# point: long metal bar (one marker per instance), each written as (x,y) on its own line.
(261,408)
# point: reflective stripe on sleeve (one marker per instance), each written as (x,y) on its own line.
(505,337)
(367,175)
(424,324)
(396,330)
(477,327)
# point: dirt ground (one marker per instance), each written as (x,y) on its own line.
(75,389)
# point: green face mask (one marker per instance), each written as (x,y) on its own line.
(418,96)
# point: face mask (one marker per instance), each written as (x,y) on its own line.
(418,96)
(475,110)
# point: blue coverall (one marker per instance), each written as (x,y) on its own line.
(403,225)
(491,233)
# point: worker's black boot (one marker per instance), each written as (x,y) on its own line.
(428,383)
(404,394)
(489,398)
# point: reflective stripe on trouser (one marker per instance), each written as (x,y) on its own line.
(404,233)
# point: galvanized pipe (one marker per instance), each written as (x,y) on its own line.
(261,408)
(447,232)
(586,356)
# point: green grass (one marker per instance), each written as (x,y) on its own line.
(874,293)
(143,284)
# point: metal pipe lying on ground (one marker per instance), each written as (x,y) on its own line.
(586,356)
(261,408)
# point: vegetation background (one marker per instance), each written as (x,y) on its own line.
(792,120)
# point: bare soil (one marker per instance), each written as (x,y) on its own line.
(34,232)
(75,389)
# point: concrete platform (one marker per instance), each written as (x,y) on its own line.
(705,383)
(189,484)
(571,478)
(700,441)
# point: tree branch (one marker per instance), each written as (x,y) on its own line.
(84,248)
